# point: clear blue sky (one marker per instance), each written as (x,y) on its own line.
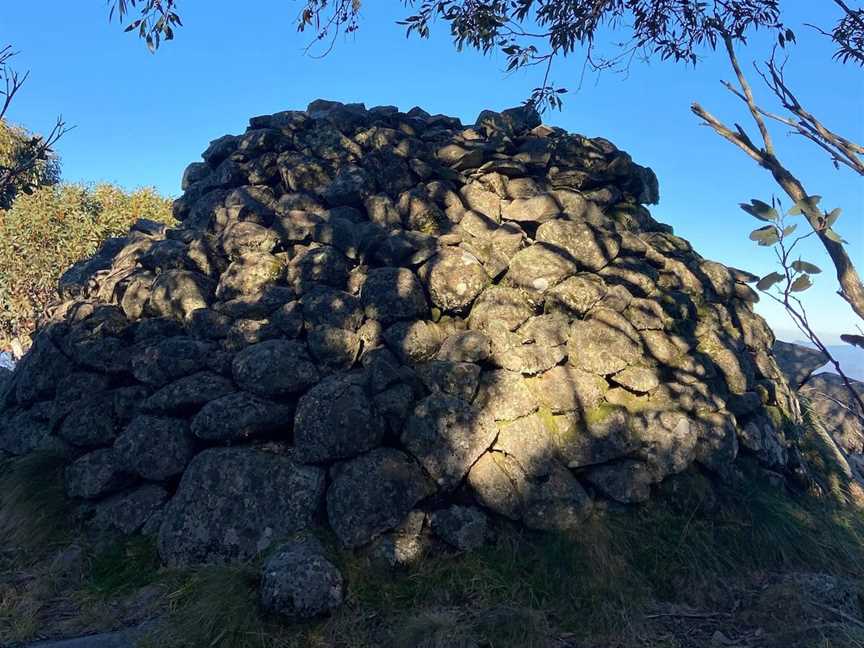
(140,118)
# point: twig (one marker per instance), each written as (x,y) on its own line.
(40,148)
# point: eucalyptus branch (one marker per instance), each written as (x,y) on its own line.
(795,275)
(851,286)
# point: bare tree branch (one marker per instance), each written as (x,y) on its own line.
(851,287)
(11,81)
(37,148)
(842,149)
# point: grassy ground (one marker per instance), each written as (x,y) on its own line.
(745,565)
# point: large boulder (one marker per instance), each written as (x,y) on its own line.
(447,435)
(232,503)
(335,420)
(797,362)
(274,368)
(240,416)
(155,448)
(373,493)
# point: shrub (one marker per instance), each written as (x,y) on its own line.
(47,231)
(15,148)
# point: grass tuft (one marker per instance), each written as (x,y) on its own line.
(34,511)
(216,606)
(123,566)
(827,464)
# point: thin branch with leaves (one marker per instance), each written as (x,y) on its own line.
(796,274)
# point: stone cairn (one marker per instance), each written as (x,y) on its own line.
(400,328)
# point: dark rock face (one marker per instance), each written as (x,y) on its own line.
(190,392)
(240,416)
(336,420)
(797,362)
(97,473)
(373,493)
(155,448)
(447,435)
(128,512)
(391,294)
(404,328)
(463,527)
(274,368)
(233,503)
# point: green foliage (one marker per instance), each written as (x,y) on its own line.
(123,566)
(766,236)
(804,266)
(16,148)
(796,275)
(156,23)
(769,280)
(47,231)
(801,283)
(34,512)
(810,203)
(762,211)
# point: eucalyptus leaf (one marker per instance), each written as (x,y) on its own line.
(854,340)
(804,266)
(769,280)
(762,211)
(801,284)
(789,229)
(801,205)
(834,236)
(765,235)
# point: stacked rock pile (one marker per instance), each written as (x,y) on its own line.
(398,327)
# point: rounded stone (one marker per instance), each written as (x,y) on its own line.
(298,581)
(214,519)
(603,345)
(155,448)
(177,293)
(391,294)
(240,416)
(336,420)
(373,493)
(454,278)
(274,368)
(447,435)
